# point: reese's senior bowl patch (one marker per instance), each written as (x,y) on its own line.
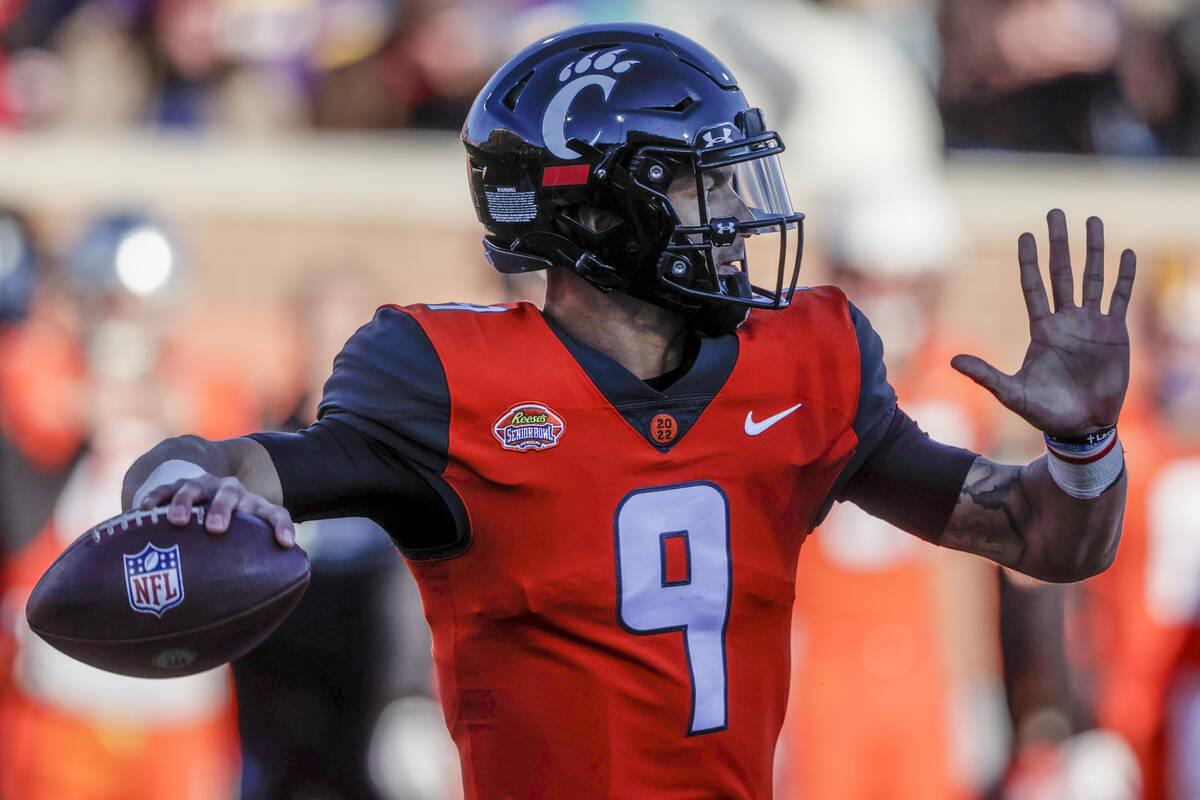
(528,426)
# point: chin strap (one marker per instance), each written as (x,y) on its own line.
(511,263)
(737,285)
(709,319)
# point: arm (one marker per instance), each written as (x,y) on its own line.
(1072,382)
(330,469)
(241,458)
(1020,518)
(1015,516)
(378,451)
(239,474)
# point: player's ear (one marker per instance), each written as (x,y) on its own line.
(596,220)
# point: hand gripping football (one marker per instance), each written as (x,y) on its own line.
(140,596)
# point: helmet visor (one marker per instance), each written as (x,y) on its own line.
(760,185)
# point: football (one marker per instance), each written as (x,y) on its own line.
(140,596)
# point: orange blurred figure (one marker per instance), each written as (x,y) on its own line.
(879,663)
(70,730)
(1143,639)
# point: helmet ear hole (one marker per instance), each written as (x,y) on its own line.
(591,223)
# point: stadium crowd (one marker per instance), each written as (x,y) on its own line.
(1070,76)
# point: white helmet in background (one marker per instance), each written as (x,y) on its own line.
(890,245)
(901,227)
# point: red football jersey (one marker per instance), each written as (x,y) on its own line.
(618,625)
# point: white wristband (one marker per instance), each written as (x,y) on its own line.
(167,472)
(1089,479)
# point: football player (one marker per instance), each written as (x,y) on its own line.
(603,501)
(70,730)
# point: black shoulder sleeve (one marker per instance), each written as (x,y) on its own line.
(876,404)
(389,383)
(380,444)
(910,480)
(332,469)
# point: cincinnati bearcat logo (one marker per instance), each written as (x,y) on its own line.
(528,426)
(591,70)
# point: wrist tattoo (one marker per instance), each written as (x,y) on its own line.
(987,520)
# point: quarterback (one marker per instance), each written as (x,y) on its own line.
(603,500)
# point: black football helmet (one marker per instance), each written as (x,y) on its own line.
(606,118)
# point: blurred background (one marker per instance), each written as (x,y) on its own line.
(201,199)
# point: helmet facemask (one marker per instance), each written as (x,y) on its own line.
(723,198)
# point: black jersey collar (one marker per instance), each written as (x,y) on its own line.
(640,404)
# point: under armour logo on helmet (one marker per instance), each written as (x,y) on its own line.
(712,139)
(724,230)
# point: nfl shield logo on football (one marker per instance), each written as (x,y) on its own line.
(154,579)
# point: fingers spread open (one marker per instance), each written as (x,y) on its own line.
(1031,278)
(1124,285)
(985,375)
(1093,269)
(1062,284)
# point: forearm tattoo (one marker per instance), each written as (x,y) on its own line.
(990,515)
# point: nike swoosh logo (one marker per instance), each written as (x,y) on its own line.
(755,428)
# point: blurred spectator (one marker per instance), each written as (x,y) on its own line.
(358,639)
(1048,704)
(38,439)
(454,52)
(1068,76)
(18,267)
(1021,75)
(69,730)
(41,426)
(249,66)
(895,662)
(912,24)
(8,10)
(1141,644)
(106,72)
(427,75)
(1183,49)
(1111,696)
(1113,77)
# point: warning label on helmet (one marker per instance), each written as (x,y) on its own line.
(506,204)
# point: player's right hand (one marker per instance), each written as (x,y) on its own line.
(1076,367)
(223,496)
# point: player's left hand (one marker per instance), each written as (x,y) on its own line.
(1076,368)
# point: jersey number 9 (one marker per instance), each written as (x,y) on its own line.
(656,597)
